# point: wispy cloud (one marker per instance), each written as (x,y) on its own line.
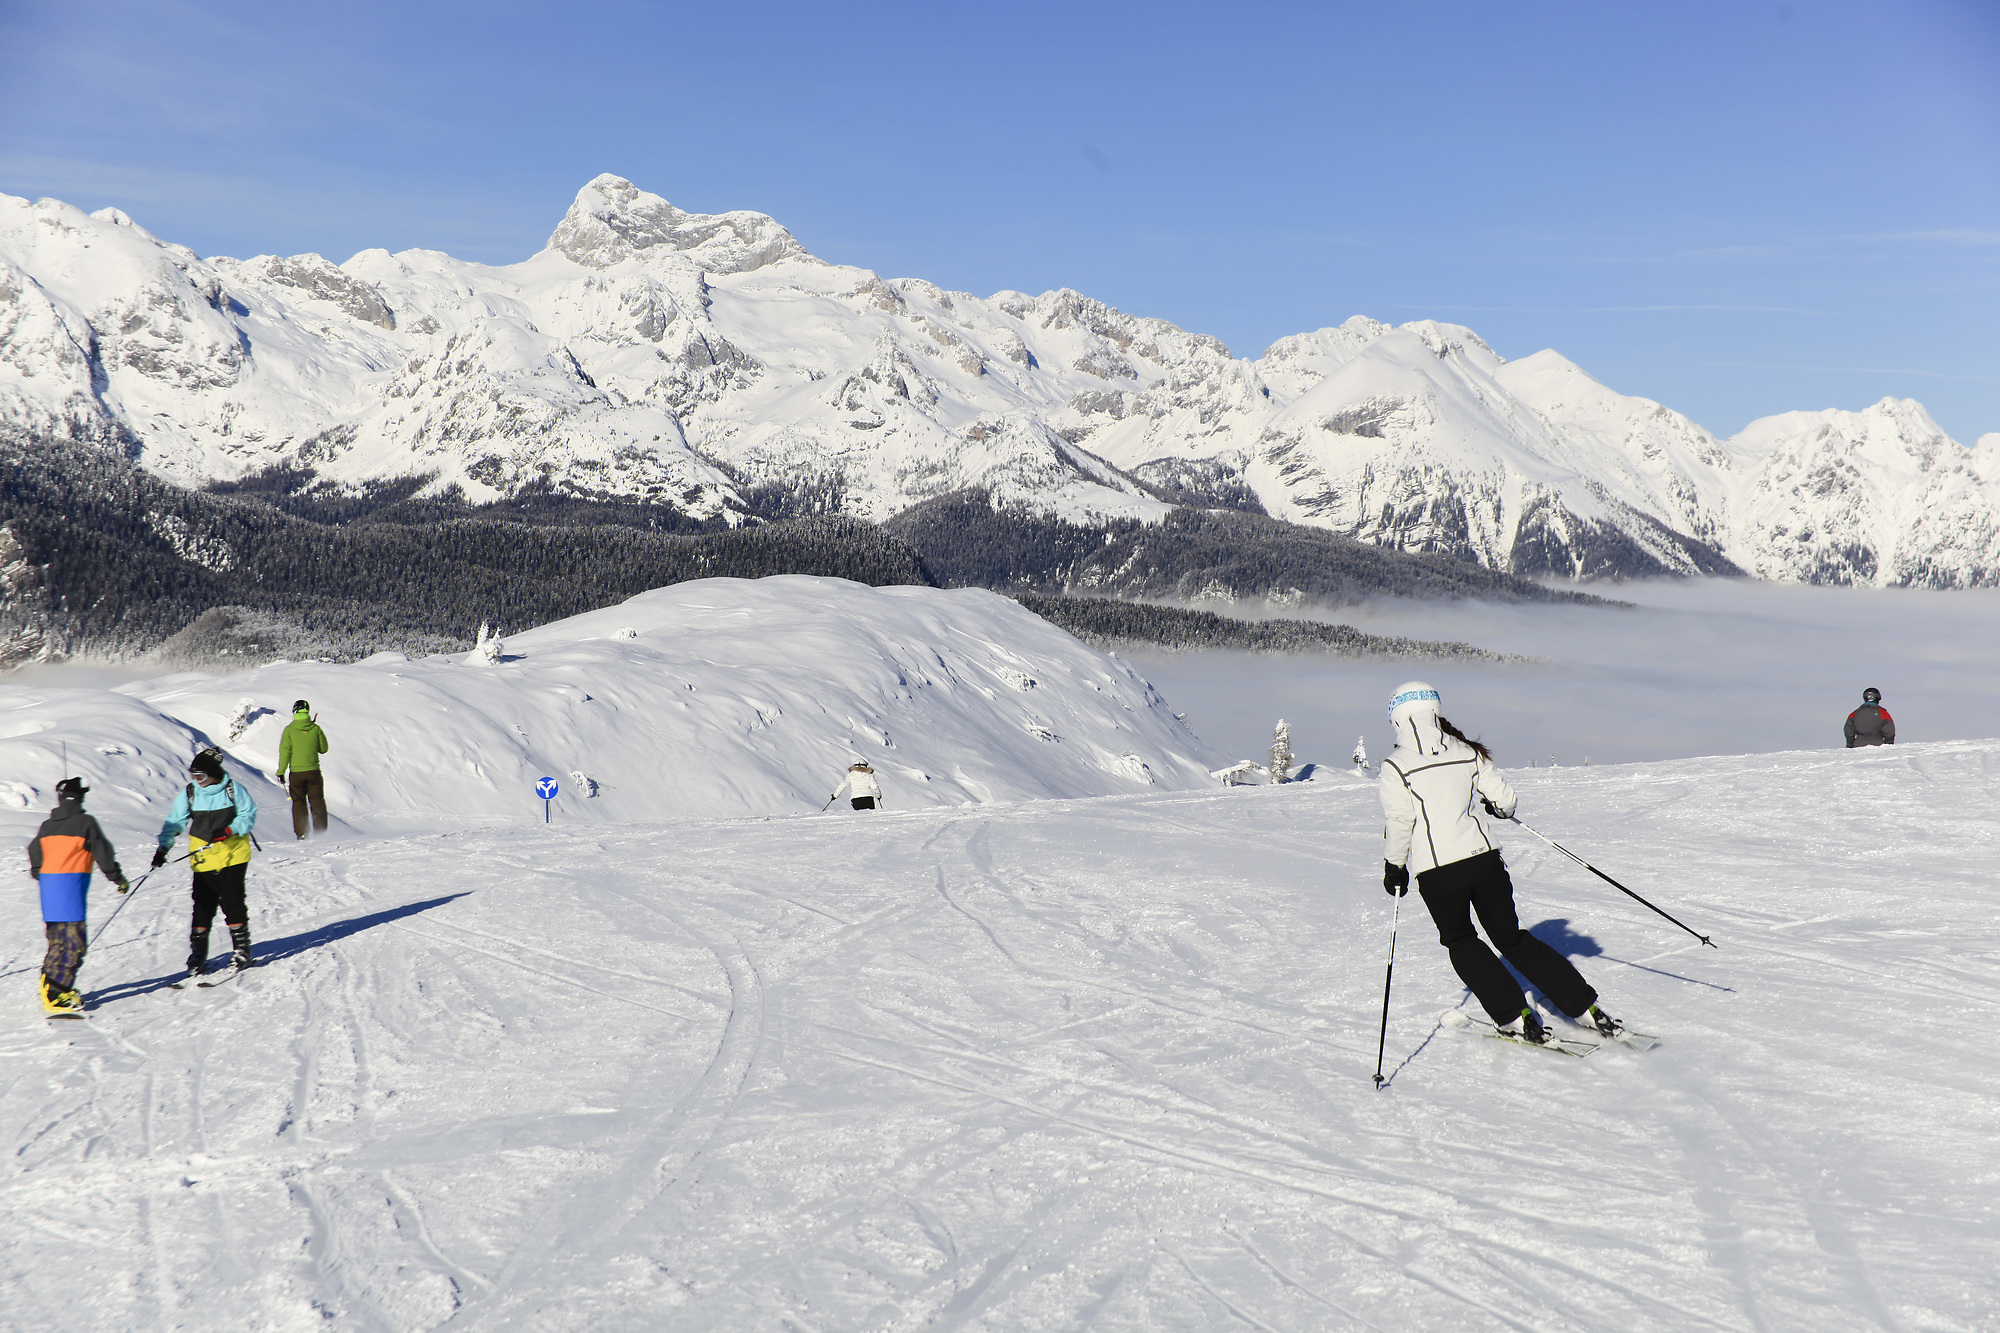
(1610,309)
(1818,248)
(1853,370)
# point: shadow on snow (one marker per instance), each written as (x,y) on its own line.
(276,951)
(1556,933)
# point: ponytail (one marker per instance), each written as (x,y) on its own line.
(1448,729)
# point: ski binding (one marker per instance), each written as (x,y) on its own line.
(1459,1020)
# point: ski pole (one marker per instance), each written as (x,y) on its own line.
(1615,884)
(131,891)
(1382,1042)
(829,803)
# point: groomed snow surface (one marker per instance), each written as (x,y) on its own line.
(1086,1062)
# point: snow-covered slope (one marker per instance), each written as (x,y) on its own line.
(1072,1064)
(709,698)
(650,352)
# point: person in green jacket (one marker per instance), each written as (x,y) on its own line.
(299,750)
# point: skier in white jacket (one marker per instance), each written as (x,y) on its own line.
(861,784)
(1429,785)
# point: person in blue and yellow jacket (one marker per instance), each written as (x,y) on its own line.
(217,816)
(60,856)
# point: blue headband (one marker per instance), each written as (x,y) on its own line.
(1411,696)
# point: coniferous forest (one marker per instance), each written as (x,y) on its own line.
(99,557)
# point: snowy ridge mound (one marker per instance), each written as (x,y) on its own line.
(718,697)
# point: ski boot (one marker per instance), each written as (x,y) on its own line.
(1528,1027)
(239,940)
(197,952)
(1599,1022)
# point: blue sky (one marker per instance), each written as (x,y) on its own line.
(1735,208)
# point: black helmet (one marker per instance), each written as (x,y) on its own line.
(1871,695)
(301,706)
(71,789)
(209,761)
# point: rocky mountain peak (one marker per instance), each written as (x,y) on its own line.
(614,220)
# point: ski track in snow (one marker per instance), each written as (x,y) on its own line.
(1094,1064)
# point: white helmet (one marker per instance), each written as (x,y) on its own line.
(1414,708)
(1412,696)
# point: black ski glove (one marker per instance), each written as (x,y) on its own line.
(159,857)
(1395,879)
(1494,810)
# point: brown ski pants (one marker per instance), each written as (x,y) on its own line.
(308,788)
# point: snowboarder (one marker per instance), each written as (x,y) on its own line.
(218,816)
(1870,724)
(1429,784)
(860,781)
(299,749)
(60,856)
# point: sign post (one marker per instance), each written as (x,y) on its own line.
(546,789)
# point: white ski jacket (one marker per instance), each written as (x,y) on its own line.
(1430,786)
(858,785)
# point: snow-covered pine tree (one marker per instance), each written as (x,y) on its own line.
(1360,755)
(1280,767)
(486,648)
(239,721)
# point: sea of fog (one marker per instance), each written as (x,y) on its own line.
(1702,667)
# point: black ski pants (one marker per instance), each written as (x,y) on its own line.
(220,888)
(1480,884)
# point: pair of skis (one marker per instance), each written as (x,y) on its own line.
(221,978)
(1557,1040)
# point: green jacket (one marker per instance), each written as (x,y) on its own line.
(301,746)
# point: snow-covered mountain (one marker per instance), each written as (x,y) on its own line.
(699,360)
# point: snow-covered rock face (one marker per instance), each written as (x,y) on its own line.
(1881,496)
(716,697)
(653,353)
(613,220)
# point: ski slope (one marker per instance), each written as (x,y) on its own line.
(1080,1063)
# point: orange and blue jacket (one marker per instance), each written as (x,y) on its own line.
(60,856)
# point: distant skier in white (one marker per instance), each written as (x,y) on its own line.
(1428,785)
(862,786)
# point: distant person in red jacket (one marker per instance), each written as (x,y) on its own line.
(1870,724)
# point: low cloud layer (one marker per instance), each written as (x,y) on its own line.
(1695,668)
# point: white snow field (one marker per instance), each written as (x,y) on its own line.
(1067,1064)
(713,697)
(694,1056)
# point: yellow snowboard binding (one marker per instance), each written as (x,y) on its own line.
(60,1004)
